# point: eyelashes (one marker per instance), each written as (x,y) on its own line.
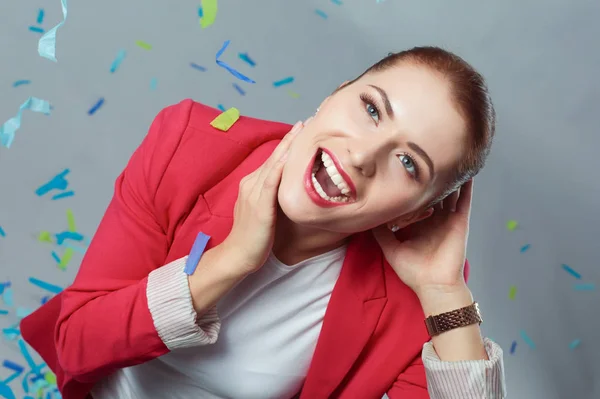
(367,100)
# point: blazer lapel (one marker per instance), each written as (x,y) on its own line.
(356,303)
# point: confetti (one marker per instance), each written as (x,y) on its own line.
(572,272)
(8,129)
(21,82)
(3,312)
(7,297)
(198,67)
(527,340)
(221,107)
(23,312)
(96,106)
(293,94)
(40,17)
(282,82)
(2,232)
(584,287)
(6,391)
(36,29)
(71,221)
(55,289)
(321,14)
(143,44)
(513,346)
(524,248)
(63,195)
(45,236)
(47,43)
(246,58)
(227,67)
(58,182)
(200,12)
(225,120)
(511,225)
(153,83)
(574,344)
(68,235)
(338,2)
(209,13)
(117,61)
(66,258)
(512,292)
(56,257)
(239,89)
(196,253)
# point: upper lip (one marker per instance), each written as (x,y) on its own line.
(340,168)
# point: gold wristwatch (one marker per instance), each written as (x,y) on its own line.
(443,322)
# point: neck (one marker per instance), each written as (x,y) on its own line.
(294,243)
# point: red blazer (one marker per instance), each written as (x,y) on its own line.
(183,179)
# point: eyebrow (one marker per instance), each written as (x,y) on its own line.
(423,155)
(386,101)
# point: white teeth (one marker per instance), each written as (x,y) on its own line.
(334,174)
(322,193)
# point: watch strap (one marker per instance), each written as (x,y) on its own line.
(437,324)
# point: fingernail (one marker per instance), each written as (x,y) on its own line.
(297,126)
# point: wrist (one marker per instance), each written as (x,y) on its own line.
(437,300)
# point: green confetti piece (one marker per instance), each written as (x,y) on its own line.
(511,225)
(45,236)
(225,120)
(512,292)
(293,94)
(71,221)
(143,44)
(50,377)
(66,258)
(209,13)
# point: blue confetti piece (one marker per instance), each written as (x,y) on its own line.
(13,366)
(68,235)
(3,286)
(40,17)
(6,392)
(284,81)
(8,129)
(200,13)
(21,82)
(196,253)
(153,83)
(56,257)
(58,182)
(117,61)
(198,67)
(584,287)
(239,89)
(221,107)
(3,312)
(55,289)
(8,297)
(47,43)
(2,232)
(513,346)
(63,195)
(11,331)
(572,272)
(26,355)
(246,58)
(44,300)
(96,106)
(321,13)
(36,29)
(338,2)
(524,248)
(574,344)
(23,312)
(78,249)
(228,68)
(527,340)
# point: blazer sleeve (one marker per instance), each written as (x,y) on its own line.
(412,383)
(112,315)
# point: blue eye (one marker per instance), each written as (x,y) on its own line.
(408,163)
(373,112)
(371,107)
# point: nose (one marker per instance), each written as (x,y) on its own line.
(363,157)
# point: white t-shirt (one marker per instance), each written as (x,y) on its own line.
(270,323)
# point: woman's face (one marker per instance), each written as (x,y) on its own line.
(377,151)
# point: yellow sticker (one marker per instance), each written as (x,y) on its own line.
(226,119)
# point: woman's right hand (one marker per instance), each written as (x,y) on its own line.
(255,213)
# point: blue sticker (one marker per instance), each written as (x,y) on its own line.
(196,253)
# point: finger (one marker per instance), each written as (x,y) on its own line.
(452,200)
(270,187)
(277,154)
(463,205)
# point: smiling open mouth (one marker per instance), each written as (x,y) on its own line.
(327,180)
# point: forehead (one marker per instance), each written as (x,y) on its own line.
(424,111)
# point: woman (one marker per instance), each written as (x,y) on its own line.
(328,248)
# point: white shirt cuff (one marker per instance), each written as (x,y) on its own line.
(170,304)
(465,379)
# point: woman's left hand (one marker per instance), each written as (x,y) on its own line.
(429,255)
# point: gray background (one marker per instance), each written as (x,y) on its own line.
(541,60)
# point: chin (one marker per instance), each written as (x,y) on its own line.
(297,207)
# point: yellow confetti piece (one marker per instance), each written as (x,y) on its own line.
(225,120)
(512,292)
(143,44)
(293,94)
(209,13)
(71,221)
(50,377)
(45,236)
(66,258)
(511,225)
